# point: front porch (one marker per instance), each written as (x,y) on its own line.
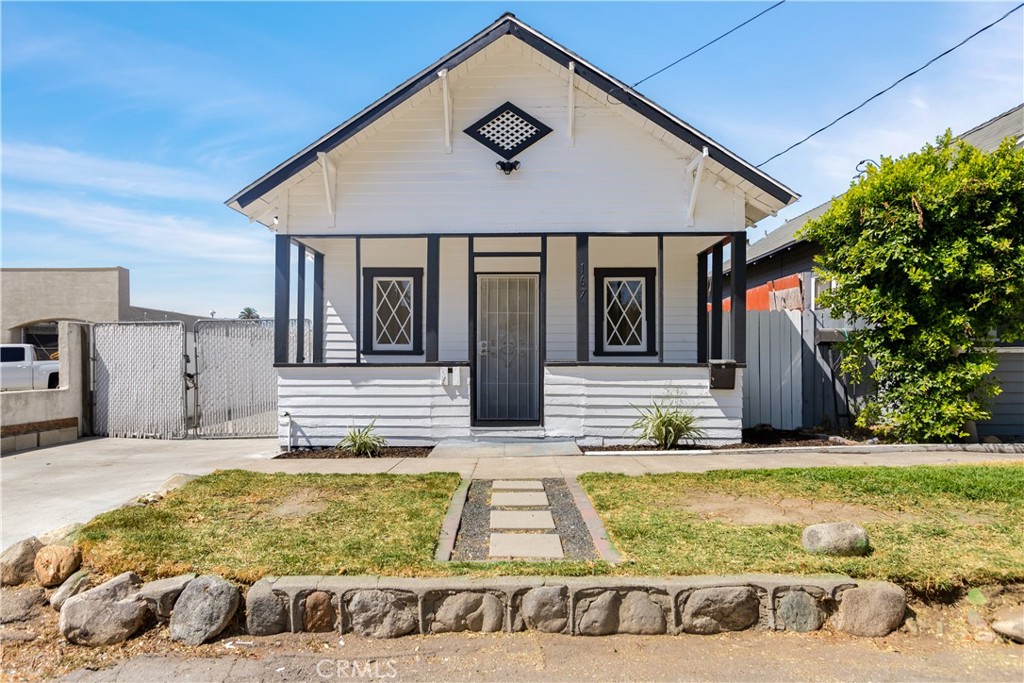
(505,337)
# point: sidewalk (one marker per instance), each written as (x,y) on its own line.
(50,487)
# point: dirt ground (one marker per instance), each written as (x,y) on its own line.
(940,642)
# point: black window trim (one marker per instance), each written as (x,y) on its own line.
(369,274)
(650,309)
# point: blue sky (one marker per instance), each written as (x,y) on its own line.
(125,126)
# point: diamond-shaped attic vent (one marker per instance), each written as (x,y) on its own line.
(507,130)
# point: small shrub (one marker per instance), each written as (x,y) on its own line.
(666,425)
(363,442)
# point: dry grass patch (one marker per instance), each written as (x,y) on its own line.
(245,525)
(932,528)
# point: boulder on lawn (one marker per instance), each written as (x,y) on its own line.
(871,610)
(61,535)
(110,613)
(16,561)
(203,610)
(75,584)
(55,563)
(836,538)
(1009,623)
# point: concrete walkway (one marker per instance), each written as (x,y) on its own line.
(49,487)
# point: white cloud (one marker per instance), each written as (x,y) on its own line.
(58,166)
(149,233)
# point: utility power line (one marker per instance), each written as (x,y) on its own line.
(707,44)
(897,82)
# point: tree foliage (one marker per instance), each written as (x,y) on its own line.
(248,313)
(927,251)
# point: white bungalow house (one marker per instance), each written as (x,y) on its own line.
(512,243)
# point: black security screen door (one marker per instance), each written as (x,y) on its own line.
(508,362)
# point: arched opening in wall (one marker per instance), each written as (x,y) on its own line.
(42,335)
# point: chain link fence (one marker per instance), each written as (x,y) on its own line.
(138,380)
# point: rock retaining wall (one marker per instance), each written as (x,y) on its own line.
(389,608)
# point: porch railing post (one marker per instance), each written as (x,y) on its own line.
(702,307)
(300,306)
(433,296)
(716,301)
(582,298)
(739,297)
(282,247)
(318,307)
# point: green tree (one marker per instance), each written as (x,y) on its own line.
(248,313)
(928,251)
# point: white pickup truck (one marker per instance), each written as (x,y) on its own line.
(23,366)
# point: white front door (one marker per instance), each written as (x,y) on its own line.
(507,386)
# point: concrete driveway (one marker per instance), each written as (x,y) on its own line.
(50,487)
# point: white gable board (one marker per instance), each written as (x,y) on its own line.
(615,175)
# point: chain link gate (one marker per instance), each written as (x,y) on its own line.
(236,383)
(138,380)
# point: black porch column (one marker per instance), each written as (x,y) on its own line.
(716,301)
(702,307)
(282,246)
(739,297)
(300,306)
(582,300)
(433,295)
(318,307)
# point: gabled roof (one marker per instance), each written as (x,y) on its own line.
(507,24)
(986,137)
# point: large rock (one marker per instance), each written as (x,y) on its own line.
(110,613)
(872,610)
(16,562)
(162,594)
(469,612)
(713,610)
(381,614)
(55,563)
(544,609)
(639,615)
(62,535)
(836,538)
(601,617)
(265,611)
(318,613)
(18,604)
(203,610)
(75,584)
(799,611)
(1009,623)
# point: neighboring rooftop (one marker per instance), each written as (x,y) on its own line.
(986,136)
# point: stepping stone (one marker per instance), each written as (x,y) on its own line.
(519,499)
(517,485)
(515,519)
(522,546)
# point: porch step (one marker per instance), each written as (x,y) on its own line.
(505,448)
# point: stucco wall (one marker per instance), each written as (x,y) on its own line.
(68,400)
(30,295)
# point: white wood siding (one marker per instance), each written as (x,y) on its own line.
(597,402)
(561,304)
(411,407)
(621,173)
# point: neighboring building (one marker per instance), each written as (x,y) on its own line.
(780,267)
(34,300)
(512,243)
(780,276)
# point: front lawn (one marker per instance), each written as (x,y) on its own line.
(932,528)
(245,525)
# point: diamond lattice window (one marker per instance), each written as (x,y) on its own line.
(392,313)
(507,130)
(624,315)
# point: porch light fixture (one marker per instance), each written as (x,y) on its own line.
(507,167)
